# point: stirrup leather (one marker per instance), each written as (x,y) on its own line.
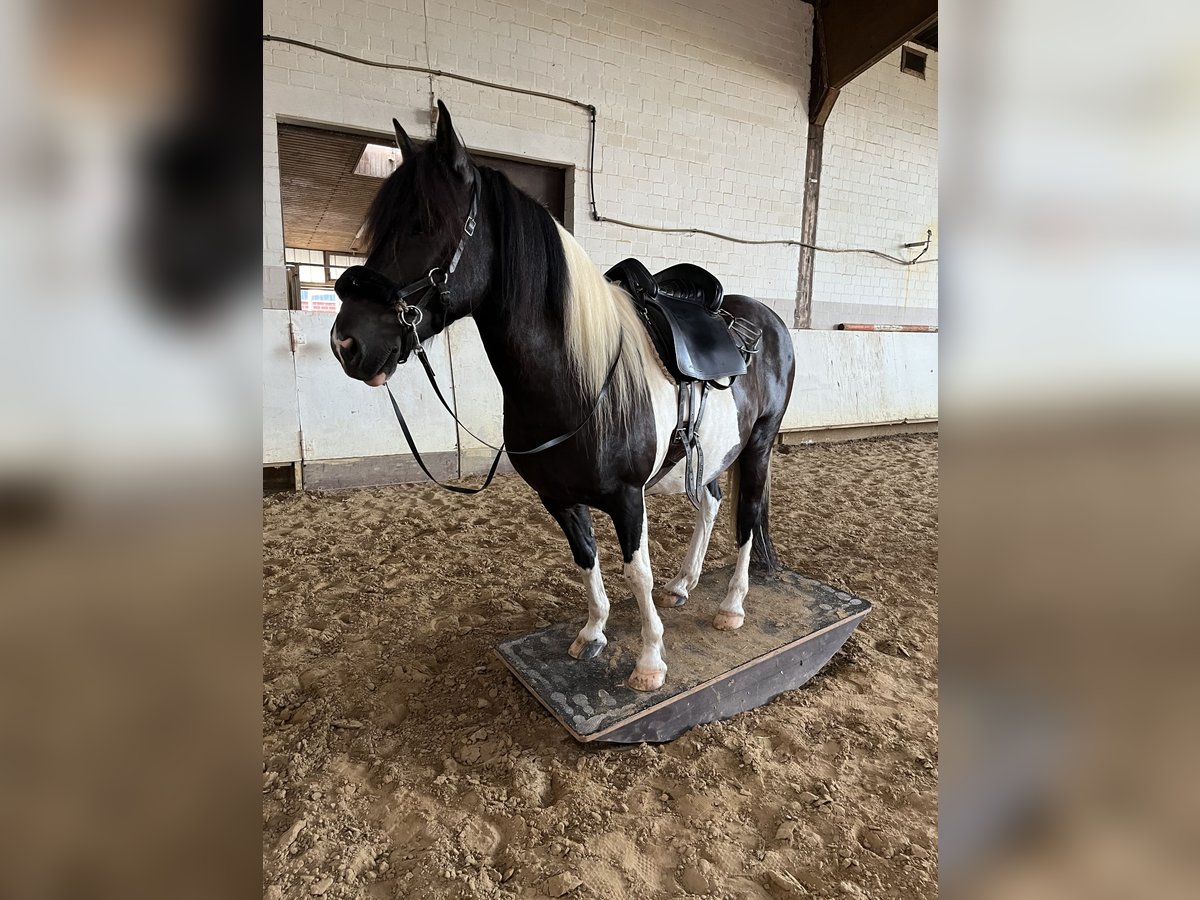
(692,395)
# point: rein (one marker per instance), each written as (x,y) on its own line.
(501,450)
(439,279)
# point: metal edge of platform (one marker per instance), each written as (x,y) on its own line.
(607,735)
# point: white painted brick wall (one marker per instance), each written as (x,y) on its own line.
(879,190)
(701,111)
(702,121)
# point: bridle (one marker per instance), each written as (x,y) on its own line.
(437,279)
(369,284)
(410,316)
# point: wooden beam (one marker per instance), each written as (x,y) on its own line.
(831,434)
(847,40)
(821,94)
(368,471)
(824,105)
(808,223)
(857,35)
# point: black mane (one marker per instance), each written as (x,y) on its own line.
(530,268)
(418,198)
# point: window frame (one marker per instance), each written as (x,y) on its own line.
(326,265)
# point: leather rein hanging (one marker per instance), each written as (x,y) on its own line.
(439,279)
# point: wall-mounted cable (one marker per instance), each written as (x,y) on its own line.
(429,63)
(591,170)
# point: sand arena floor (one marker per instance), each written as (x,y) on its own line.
(402,760)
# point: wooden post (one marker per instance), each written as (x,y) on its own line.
(808,223)
(821,97)
(847,40)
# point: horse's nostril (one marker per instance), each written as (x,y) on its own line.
(347,349)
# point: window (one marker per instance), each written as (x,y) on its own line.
(310,263)
(340,262)
(318,270)
(912,61)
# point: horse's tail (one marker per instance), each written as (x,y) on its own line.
(762,553)
(762,549)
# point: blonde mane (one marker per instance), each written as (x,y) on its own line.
(599,319)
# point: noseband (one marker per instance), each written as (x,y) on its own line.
(369,284)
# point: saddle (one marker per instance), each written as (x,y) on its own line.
(699,344)
(681,308)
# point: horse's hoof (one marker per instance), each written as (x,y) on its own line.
(647,679)
(728,621)
(585,649)
(665,599)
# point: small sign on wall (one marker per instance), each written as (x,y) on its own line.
(319,300)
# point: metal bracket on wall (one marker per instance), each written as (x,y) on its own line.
(295,336)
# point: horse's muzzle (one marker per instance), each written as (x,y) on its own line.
(372,365)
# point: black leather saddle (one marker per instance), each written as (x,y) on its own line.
(681,307)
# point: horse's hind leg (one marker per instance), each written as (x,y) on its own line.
(730,614)
(576,523)
(752,496)
(675,592)
(629,517)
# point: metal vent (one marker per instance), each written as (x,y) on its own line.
(912,61)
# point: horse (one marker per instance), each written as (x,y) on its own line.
(572,358)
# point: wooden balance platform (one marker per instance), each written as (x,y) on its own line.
(793,627)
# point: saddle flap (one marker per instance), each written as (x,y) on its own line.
(699,342)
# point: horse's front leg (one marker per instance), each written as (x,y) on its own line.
(576,523)
(675,592)
(629,517)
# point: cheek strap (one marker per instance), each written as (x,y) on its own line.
(368,284)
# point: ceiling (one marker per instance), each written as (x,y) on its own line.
(850,37)
(927,38)
(324,202)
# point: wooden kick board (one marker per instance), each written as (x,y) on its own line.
(793,627)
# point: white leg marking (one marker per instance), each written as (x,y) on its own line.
(678,588)
(651,669)
(593,632)
(730,614)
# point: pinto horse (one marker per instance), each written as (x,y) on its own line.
(573,359)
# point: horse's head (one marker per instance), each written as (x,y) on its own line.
(428,259)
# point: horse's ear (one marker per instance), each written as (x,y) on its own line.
(403,141)
(449,146)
